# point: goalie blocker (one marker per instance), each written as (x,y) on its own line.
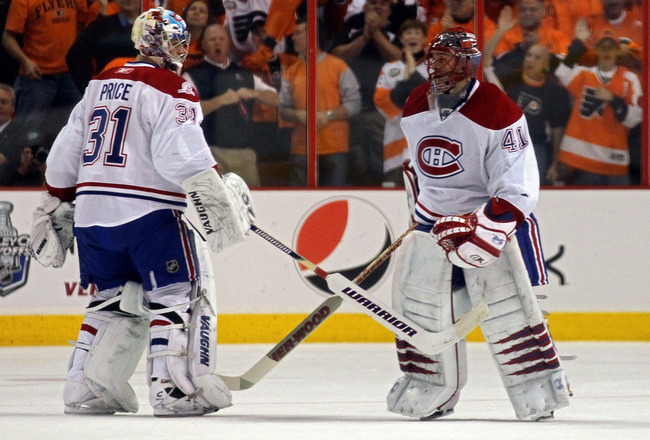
(224,206)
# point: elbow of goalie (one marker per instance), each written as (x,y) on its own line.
(63,194)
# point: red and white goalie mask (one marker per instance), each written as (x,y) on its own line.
(451,57)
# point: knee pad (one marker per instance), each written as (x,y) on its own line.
(109,348)
(422,290)
(516,333)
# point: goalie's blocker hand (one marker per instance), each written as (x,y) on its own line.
(473,240)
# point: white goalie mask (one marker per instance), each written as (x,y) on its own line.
(162,35)
(451,57)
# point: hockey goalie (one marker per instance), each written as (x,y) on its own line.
(472,184)
(119,177)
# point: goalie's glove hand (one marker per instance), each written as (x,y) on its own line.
(51,235)
(242,196)
(473,240)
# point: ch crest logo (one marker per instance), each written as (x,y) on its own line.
(438,156)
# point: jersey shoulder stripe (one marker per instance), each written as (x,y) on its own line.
(502,113)
(417,101)
(163,80)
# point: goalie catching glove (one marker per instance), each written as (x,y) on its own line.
(474,240)
(224,205)
(51,235)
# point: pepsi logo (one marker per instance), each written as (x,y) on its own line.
(343,235)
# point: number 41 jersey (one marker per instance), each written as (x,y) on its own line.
(128,145)
(464,156)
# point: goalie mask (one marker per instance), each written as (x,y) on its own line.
(452,56)
(161,35)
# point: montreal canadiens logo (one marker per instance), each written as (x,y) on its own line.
(438,156)
(343,235)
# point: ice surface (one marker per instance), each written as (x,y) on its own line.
(337,391)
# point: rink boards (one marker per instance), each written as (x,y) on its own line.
(595,241)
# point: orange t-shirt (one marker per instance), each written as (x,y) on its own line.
(563,15)
(630,28)
(93,11)
(195,54)
(488,29)
(557,42)
(48,32)
(332,137)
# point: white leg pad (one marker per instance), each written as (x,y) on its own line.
(109,363)
(193,388)
(431,385)
(516,333)
(203,343)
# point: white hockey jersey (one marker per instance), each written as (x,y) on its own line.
(128,145)
(240,16)
(395,148)
(480,150)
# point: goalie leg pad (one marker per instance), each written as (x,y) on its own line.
(224,206)
(431,385)
(516,333)
(187,385)
(106,355)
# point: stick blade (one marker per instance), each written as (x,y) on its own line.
(251,377)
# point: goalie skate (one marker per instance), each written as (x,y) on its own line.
(80,400)
(169,401)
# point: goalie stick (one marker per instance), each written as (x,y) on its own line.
(304,329)
(345,289)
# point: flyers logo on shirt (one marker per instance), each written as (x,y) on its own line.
(438,156)
(344,235)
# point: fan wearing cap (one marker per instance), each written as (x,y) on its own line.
(594,150)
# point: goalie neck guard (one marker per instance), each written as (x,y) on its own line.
(451,57)
(161,35)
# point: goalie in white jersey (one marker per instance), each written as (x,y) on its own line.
(130,152)
(472,183)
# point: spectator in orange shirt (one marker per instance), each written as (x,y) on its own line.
(366,45)
(529,29)
(595,150)
(105,39)
(197,15)
(563,14)
(100,8)
(337,99)
(460,13)
(180,6)
(44,88)
(626,27)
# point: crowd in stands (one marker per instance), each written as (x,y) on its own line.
(573,67)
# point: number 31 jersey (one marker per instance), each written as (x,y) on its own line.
(478,150)
(128,145)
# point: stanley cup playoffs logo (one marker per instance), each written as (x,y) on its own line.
(344,235)
(14,257)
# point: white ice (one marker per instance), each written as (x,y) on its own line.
(337,391)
